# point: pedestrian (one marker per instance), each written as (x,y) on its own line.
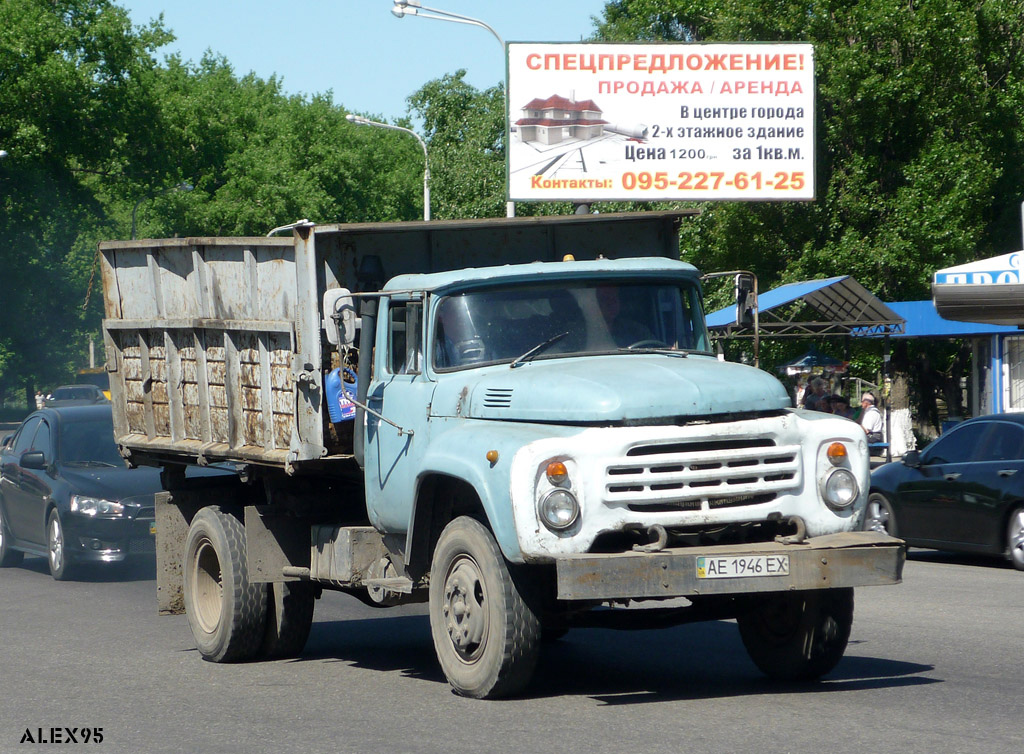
(871,418)
(841,406)
(812,396)
(40,399)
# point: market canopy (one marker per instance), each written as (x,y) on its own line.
(834,306)
(813,360)
(990,290)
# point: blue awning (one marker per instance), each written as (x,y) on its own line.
(833,306)
(924,321)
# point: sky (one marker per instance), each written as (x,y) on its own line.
(370,60)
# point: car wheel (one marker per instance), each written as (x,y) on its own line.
(798,636)
(226,612)
(486,636)
(8,557)
(1015,539)
(56,548)
(289,619)
(879,516)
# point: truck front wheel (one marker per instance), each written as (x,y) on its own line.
(486,636)
(226,612)
(798,636)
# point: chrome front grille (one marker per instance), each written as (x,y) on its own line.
(702,474)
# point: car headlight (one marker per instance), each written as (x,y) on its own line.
(95,506)
(839,488)
(558,509)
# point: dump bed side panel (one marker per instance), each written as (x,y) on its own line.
(206,348)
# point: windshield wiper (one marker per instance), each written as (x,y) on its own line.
(91,463)
(537,349)
(653,349)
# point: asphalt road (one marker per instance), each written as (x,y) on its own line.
(933,666)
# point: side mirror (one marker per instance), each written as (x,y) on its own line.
(339,317)
(912,458)
(746,298)
(33,459)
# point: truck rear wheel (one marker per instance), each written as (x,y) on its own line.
(289,619)
(798,636)
(486,636)
(226,612)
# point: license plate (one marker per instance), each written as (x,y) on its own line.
(741,566)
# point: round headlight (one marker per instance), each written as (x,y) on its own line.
(559,509)
(840,489)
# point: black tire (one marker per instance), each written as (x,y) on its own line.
(226,613)
(798,636)
(485,634)
(1015,539)
(289,619)
(8,557)
(56,549)
(878,516)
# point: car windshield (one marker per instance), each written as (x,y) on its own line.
(89,442)
(524,322)
(73,393)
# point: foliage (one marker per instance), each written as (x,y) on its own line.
(100,135)
(920,144)
(919,160)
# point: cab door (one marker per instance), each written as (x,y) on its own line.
(399,393)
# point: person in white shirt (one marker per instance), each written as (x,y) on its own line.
(871,418)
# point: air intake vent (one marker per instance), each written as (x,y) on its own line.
(498,397)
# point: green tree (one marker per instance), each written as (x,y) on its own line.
(69,69)
(919,160)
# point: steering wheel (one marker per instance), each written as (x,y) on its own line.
(648,343)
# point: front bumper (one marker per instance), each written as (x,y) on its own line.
(831,561)
(109,540)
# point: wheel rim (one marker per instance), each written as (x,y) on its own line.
(56,545)
(207,586)
(465,608)
(1016,538)
(878,516)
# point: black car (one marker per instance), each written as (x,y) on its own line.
(67,495)
(964,491)
(76,395)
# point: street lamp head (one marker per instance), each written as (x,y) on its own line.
(404,8)
(358,120)
(3,153)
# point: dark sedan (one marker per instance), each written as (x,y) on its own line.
(963,492)
(76,395)
(67,495)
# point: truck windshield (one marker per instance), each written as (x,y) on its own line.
(502,324)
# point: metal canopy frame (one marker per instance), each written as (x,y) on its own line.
(814,308)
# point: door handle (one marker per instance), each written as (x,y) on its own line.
(952,477)
(1006,472)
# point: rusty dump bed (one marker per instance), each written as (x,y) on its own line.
(215,346)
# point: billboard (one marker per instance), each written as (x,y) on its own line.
(660,122)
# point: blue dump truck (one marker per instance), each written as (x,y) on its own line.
(520,421)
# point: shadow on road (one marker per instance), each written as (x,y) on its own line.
(695,661)
(136,569)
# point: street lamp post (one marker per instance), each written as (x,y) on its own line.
(403,8)
(361,121)
(180,187)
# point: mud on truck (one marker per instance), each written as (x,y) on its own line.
(519,421)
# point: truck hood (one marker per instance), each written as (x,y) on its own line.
(611,388)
